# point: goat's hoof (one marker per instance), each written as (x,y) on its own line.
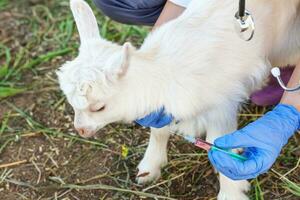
(147,175)
(235,192)
(225,196)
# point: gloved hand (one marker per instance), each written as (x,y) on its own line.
(157,119)
(262,141)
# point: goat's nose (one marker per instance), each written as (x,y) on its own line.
(82,132)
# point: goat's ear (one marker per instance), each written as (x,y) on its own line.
(119,64)
(85,20)
(125,59)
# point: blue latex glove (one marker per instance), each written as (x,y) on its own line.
(157,119)
(262,141)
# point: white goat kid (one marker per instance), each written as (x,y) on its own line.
(195,66)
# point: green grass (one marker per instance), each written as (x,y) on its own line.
(292,187)
(4,68)
(10,91)
(258,191)
(289,185)
(3,4)
(5,71)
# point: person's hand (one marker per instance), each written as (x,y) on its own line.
(262,141)
(157,119)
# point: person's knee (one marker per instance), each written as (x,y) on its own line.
(139,12)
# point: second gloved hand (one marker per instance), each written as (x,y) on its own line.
(157,119)
(262,141)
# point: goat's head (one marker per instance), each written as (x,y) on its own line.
(90,81)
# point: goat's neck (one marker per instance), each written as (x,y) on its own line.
(150,85)
(145,86)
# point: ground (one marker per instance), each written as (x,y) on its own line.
(49,161)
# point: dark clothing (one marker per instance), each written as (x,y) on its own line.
(138,12)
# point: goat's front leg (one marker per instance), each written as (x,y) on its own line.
(229,189)
(155,157)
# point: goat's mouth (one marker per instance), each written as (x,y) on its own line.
(94,133)
(87,134)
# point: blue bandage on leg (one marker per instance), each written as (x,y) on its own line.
(138,12)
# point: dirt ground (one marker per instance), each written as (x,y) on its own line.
(49,160)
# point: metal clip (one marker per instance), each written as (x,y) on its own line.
(245,25)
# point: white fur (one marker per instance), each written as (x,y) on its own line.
(195,66)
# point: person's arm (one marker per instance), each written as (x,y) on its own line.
(169,12)
(262,140)
(293,98)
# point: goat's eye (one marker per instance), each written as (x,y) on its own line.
(100,109)
(97,108)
